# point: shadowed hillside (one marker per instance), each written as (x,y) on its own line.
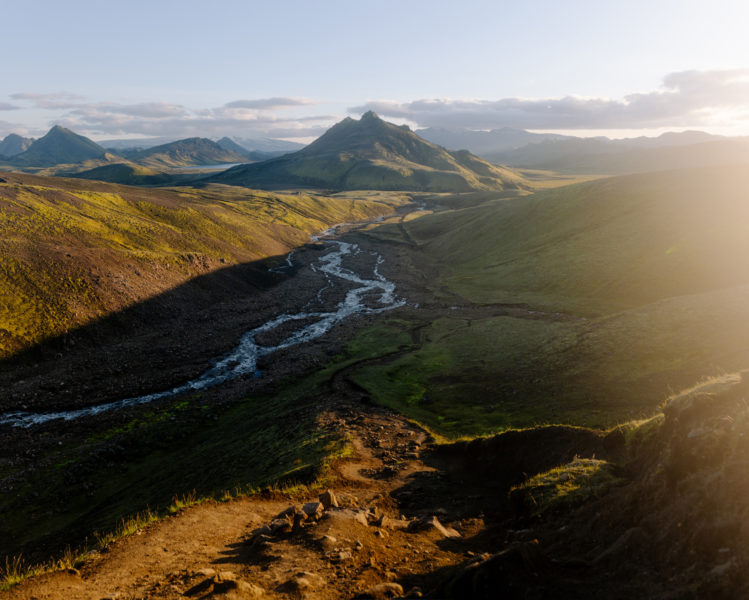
(127,174)
(74,250)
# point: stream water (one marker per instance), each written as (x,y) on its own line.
(370,293)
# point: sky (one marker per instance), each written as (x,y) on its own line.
(290,69)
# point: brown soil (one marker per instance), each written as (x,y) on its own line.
(167,559)
(445,518)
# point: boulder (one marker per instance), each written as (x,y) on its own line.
(346,514)
(383,591)
(339,556)
(385,522)
(264,530)
(432,524)
(299,519)
(278,526)
(287,514)
(361,517)
(226,582)
(207,572)
(303,581)
(313,510)
(328,499)
(328,543)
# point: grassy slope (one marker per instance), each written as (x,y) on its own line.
(193,446)
(683,495)
(125,173)
(653,269)
(186,448)
(600,246)
(72,251)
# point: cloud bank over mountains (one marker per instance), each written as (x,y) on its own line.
(261,116)
(693,99)
(686,99)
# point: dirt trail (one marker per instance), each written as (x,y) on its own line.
(184,556)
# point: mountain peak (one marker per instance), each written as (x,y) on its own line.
(187,152)
(14,144)
(60,146)
(374,154)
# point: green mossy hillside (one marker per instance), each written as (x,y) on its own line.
(72,251)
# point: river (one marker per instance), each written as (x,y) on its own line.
(370,293)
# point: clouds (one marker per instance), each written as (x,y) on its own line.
(696,99)
(269,103)
(50,101)
(686,98)
(245,117)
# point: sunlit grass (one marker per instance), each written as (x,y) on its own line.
(564,486)
(72,251)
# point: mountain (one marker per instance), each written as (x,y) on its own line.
(134,143)
(59,146)
(14,144)
(184,153)
(255,155)
(598,155)
(482,142)
(671,138)
(267,144)
(232,146)
(615,157)
(374,154)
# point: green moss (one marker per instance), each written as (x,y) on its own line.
(565,486)
(70,250)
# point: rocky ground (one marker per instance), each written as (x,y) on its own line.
(352,540)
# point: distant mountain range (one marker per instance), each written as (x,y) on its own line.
(483,142)
(63,152)
(132,144)
(374,154)
(599,155)
(14,144)
(254,155)
(612,157)
(188,152)
(267,146)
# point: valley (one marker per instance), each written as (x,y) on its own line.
(502,361)
(374,301)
